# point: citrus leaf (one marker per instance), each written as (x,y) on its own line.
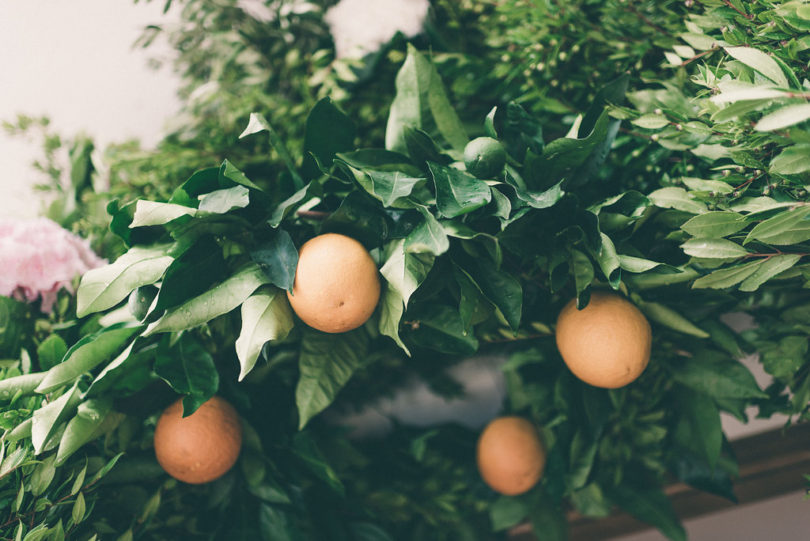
(189,369)
(784,117)
(724,278)
(104,287)
(714,249)
(215,302)
(650,506)
(24,384)
(428,237)
(90,422)
(457,192)
(715,224)
(670,318)
(676,198)
(391,309)
(328,131)
(769,269)
(388,186)
(717,377)
(759,61)
(278,258)
(266,316)
(792,160)
(47,419)
(777,226)
(405,271)
(224,200)
(326,363)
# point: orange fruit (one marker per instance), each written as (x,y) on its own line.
(607,343)
(336,286)
(201,447)
(510,455)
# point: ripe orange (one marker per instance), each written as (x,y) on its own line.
(510,455)
(201,447)
(337,286)
(606,344)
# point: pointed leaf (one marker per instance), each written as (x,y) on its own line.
(266,316)
(714,249)
(457,192)
(769,269)
(189,370)
(761,62)
(278,258)
(715,224)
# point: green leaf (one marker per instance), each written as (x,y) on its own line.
(582,269)
(638,264)
(257,124)
(189,369)
(676,198)
(421,102)
(715,224)
(50,352)
(717,377)
(388,186)
(724,278)
(266,316)
(153,213)
(405,271)
(225,200)
(429,237)
(291,203)
(541,200)
(581,459)
(714,249)
(213,303)
(24,385)
(746,93)
(499,287)
(77,513)
(85,426)
(42,476)
(328,131)
(784,117)
(760,61)
(670,318)
(391,309)
(793,223)
(792,160)
(508,511)
(590,500)
(772,267)
(86,354)
(609,261)
(650,506)
(457,192)
(48,418)
(698,426)
(700,185)
(278,258)
(651,121)
(440,328)
(104,287)
(326,363)
(183,279)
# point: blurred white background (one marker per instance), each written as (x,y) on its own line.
(75,62)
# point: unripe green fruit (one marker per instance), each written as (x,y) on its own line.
(484,157)
(140,300)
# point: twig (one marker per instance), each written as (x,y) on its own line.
(732,6)
(314,214)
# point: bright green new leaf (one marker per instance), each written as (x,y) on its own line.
(104,287)
(215,302)
(266,316)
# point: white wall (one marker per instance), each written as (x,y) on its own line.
(74,62)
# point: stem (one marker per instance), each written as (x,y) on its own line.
(729,4)
(314,214)
(749,181)
(704,53)
(644,18)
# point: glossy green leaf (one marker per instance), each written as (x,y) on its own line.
(48,418)
(326,363)
(792,160)
(85,426)
(388,186)
(715,224)
(670,318)
(153,213)
(457,192)
(104,287)
(727,277)
(714,249)
(761,62)
(215,302)
(257,124)
(720,378)
(784,117)
(498,286)
(189,369)
(676,198)
(278,258)
(328,131)
(440,328)
(266,316)
(224,200)
(609,262)
(774,229)
(698,427)
(421,102)
(429,237)
(50,352)
(405,271)
(772,267)
(24,384)
(86,354)
(391,308)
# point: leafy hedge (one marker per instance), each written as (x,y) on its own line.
(682,184)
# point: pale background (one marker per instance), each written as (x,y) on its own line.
(75,62)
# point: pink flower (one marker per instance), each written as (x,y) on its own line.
(38,258)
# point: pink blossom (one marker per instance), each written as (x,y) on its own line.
(38,258)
